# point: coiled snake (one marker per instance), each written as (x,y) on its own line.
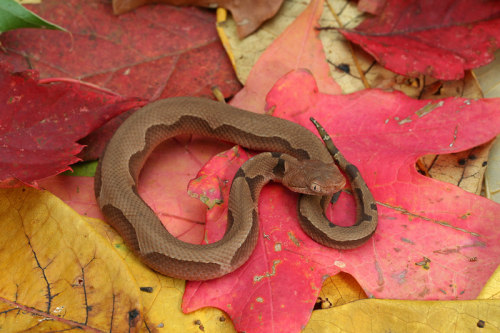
(296,157)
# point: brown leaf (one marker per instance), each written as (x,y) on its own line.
(464,169)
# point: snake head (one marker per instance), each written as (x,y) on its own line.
(314,177)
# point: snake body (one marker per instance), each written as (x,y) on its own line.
(291,150)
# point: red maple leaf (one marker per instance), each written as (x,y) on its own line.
(40,123)
(437,38)
(428,230)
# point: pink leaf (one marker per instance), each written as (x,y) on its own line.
(297,47)
(437,38)
(428,230)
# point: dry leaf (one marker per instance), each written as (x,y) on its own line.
(464,169)
(490,83)
(492,178)
(342,59)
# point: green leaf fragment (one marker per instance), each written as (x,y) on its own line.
(14,16)
(85,169)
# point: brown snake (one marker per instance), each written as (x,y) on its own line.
(297,155)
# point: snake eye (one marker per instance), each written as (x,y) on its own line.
(316,187)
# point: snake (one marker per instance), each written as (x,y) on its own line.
(291,154)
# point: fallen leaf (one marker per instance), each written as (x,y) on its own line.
(40,123)
(465,169)
(75,191)
(487,76)
(154,52)
(492,176)
(57,272)
(490,83)
(162,184)
(441,39)
(249,14)
(350,67)
(339,289)
(297,47)
(429,231)
(491,289)
(382,315)
(209,184)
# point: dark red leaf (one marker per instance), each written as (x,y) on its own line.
(153,52)
(40,123)
(437,38)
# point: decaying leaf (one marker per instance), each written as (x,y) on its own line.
(464,169)
(248,14)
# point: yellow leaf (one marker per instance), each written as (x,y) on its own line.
(340,289)
(60,271)
(491,289)
(379,315)
(57,272)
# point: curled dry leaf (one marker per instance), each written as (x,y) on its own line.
(248,14)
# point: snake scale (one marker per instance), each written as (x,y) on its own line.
(294,156)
